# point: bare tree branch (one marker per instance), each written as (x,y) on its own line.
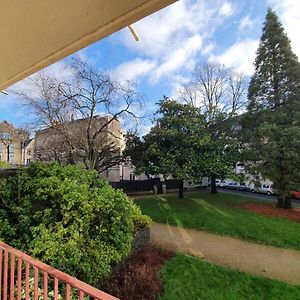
(81,115)
(215,89)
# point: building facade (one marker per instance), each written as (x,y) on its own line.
(70,143)
(28,151)
(13,143)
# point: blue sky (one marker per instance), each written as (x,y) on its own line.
(172,41)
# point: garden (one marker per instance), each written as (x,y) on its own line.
(222,214)
(159,274)
(69,218)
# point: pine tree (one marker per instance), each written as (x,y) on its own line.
(272,124)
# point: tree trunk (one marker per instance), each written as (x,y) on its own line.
(164,187)
(70,158)
(155,188)
(181,188)
(213,188)
(8,153)
(284,202)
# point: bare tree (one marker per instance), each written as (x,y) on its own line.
(215,89)
(79,115)
(237,93)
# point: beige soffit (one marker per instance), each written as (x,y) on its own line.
(37,33)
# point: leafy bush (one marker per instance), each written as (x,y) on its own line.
(140,220)
(69,218)
(4,165)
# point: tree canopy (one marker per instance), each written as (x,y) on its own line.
(170,148)
(181,145)
(219,94)
(272,122)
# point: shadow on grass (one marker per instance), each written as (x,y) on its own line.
(222,215)
(173,208)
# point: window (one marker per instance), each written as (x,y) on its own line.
(11,149)
(11,158)
(132,176)
(6,136)
(266,186)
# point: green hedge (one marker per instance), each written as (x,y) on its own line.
(69,218)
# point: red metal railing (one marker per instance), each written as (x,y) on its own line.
(14,285)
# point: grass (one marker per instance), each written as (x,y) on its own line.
(220,214)
(186,277)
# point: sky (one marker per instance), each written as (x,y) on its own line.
(171,42)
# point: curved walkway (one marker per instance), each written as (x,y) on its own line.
(276,263)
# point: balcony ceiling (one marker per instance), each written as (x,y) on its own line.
(37,33)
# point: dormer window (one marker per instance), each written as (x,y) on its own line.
(7,136)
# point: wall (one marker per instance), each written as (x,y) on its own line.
(14,138)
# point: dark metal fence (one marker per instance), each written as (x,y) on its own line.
(5,173)
(137,186)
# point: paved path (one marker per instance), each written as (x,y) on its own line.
(277,263)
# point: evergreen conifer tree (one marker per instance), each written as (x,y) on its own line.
(272,123)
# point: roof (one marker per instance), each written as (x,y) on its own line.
(27,142)
(35,34)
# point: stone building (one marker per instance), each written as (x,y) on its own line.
(13,143)
(28,151)
(68,143)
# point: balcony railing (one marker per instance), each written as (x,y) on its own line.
(22,277)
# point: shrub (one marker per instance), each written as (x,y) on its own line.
(4,165)
(140,220)
(69,218)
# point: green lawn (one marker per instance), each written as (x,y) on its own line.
(220,214)
(188,278)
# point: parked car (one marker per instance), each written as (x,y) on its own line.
(295,194)
(220,183)
(264,188)
(243,187)
(232,185)
(236,186)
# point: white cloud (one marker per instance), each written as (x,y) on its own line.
(133,69)
(176,86)
(208,49)
(240,56)
(168,29)
(180,58)
(226,9)
(246,22)
(58,71)
(289,14)
(172,38)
